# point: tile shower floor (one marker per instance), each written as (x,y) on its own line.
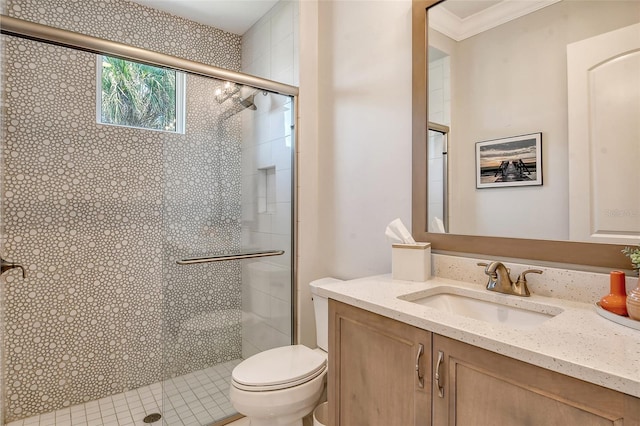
(195,399)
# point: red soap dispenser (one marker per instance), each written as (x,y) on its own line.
(616,301)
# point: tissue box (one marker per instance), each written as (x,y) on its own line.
(411,262)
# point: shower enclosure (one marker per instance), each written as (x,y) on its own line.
(154,260)
(437,147)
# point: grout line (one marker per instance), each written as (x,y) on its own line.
(131,406)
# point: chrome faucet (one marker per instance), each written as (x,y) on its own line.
(500,280)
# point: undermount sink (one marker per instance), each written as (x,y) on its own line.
(490,307)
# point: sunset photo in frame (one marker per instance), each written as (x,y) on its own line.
(513,161)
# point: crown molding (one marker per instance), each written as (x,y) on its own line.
(459,29)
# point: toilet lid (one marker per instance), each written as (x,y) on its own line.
(279,368)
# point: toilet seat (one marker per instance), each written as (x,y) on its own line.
(279,368)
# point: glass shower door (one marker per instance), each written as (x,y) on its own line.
(107,326)
(228,243)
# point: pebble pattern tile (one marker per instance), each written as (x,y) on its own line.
(99,214)
(131,23)
(195,399)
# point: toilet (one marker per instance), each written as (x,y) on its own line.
(280,386)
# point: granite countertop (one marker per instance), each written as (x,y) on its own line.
(577,342)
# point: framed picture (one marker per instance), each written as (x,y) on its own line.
(514,161)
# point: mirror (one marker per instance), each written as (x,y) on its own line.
(490,83)
(509,77)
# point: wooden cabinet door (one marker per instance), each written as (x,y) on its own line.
(483,388)
(372,370)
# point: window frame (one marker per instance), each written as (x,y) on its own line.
(180,100)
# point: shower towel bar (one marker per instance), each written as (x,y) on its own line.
(234,256)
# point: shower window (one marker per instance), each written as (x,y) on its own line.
(133,94)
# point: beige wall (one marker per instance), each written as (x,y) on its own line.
(355,145)
(309,265)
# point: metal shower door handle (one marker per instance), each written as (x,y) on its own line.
(6,265)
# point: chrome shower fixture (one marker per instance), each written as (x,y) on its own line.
(233,91)
(248,102)
(229,90)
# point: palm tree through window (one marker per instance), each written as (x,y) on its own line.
(139,95)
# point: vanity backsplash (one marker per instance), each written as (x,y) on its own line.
(568,284)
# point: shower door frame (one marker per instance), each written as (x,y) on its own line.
(444,131)
(82,42)
(46,34)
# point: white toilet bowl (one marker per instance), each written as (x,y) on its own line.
(279,396)
(280,386)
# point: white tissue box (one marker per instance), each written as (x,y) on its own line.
(411,262)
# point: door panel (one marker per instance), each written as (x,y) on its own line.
(604,106)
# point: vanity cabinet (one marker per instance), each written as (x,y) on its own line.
(379,370)
(480,387)
(373,381)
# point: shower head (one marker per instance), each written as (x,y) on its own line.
(239,105)
(248,102)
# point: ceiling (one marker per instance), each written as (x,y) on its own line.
(465,8)
(234,16)
(461,19)
(458,19)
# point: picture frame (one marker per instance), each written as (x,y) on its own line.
(507,162)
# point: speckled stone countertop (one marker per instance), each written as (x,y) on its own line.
(577,342)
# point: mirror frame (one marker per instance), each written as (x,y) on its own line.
(566,252)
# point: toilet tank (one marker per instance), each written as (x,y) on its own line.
(321,309)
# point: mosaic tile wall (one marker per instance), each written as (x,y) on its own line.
(99,215)
(3,7)
(130,23)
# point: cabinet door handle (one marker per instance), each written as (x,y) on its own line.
(437,375)
(418,355)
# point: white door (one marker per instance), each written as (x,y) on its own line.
(604,137)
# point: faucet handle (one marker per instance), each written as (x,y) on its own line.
(520,286)
(523,278)
(486,265)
